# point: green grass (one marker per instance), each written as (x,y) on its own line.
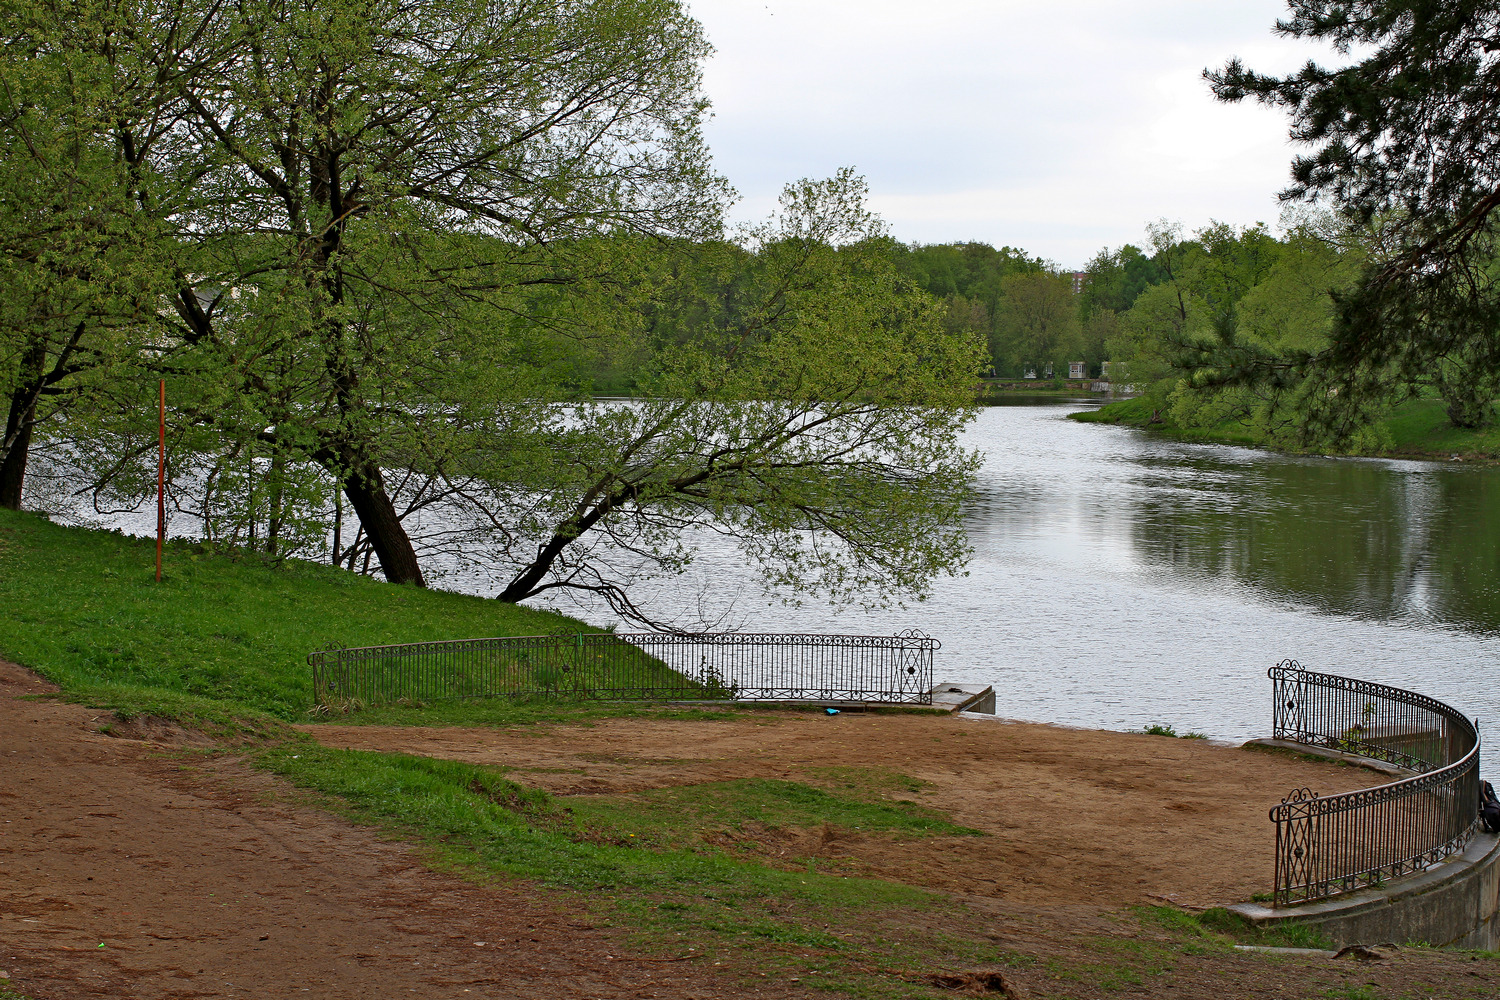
(1233,925)
(1421,426)
(1362,991)
(677,816)
(1417,428)
(221,643)
(220,637)
(1219,929)
(497,712)
(675,890)
(1157,729)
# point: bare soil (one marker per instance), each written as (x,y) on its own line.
(1070,815)
(201,877)
(132,869)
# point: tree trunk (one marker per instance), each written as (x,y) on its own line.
(18,425)
(525,582)
(365,488)
(273,522)
(18,432)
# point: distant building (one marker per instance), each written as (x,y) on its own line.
(1076,369)
(1079,279)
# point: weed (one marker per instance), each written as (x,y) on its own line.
(678,816)
(1157,729)
(1283,935)
(1366,991)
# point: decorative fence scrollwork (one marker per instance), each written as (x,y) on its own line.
(1329,844)
(610,666)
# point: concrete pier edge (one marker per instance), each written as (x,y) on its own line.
(1454,903)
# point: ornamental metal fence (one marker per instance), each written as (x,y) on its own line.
(610,666)
(1331,844)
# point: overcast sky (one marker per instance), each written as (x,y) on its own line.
(1059,128)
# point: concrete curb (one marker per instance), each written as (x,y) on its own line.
(1453,903)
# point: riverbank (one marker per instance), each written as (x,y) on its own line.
(992,391)
(555,850)
(1417,429)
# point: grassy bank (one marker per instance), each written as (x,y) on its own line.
(1417,428)
(222,636)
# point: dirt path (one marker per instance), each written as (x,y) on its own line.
(1072,816)
(205,883)
(201,877)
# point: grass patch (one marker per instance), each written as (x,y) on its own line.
(1242,931)
(501,712)
(679,816)
(674,892)
(1363,991)
(223,637)
(869,782)
(1219,928)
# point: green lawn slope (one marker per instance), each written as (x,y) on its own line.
(218,637)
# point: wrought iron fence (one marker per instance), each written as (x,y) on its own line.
(1329,844)
(609,666)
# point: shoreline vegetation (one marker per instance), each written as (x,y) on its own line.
(1417,429)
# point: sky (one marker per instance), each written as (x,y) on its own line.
(1057,128)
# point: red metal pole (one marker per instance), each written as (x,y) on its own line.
(161,474)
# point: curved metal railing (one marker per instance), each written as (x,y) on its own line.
(1330,844)
(611,666)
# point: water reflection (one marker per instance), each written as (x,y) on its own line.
(1390,541)
(1120,581)
(1408,542)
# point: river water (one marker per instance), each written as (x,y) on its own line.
(1120,580)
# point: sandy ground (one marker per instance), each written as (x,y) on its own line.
(1071,816)
(134,867)
(200,880)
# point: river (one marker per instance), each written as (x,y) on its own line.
(1120,581)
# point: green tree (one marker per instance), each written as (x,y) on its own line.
(354,191)
(1037,325)
(1403,143)
(1115,278)
(816,424)
(82,271)
(968,278)
(403,241)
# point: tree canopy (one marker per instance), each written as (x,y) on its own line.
(386,252)
(1405,143)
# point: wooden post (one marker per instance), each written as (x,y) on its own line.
(161,474)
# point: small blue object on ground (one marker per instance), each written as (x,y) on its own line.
(831,711)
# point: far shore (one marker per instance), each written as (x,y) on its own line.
(1416,430)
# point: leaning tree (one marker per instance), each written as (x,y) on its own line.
(350,189)
(392,238)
